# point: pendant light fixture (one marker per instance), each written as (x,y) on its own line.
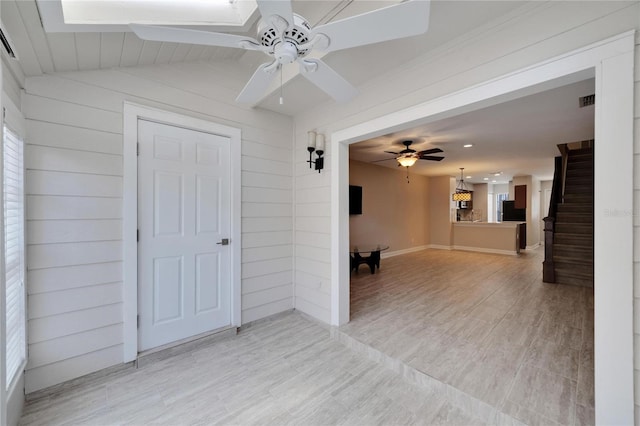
(462,193)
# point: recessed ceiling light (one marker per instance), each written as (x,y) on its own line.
(469,145)
(497,173)
(485,178)
(468,177)
(494,181)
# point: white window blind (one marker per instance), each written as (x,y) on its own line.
(13,190)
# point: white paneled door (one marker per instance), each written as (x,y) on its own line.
(184,286)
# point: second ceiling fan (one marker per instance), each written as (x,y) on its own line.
(408,156)
(287,37)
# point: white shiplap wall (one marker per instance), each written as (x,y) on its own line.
(528,35)
(74,194)
(636,232)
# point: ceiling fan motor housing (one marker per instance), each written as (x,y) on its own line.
(295,35)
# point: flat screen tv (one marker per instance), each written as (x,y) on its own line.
(355,199)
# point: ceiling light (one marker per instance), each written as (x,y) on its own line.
(462,193)
(485,178)
(469,177)
(469,145)
(407,160)
(497,173)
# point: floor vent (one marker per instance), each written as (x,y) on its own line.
(587,100)
(6,44)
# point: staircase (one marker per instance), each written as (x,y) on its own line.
(573,236)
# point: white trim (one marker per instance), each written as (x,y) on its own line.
(612,60)
(485,250)
(533,247)
(131,114)
(439,247)
(387,254)
(487,224)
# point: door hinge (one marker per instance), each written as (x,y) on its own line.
(138,148)
(137,235)
(138,321)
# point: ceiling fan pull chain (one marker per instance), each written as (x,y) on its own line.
(407,174)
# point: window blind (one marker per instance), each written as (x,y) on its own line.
(13,190)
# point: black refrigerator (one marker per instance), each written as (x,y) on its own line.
(511,214)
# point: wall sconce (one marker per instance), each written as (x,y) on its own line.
(316,143)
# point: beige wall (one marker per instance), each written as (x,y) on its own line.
(394,212)
(485,237)
(533,206)
(480,203)
(441,188)
(544,202)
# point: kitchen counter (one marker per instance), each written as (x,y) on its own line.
(489,237)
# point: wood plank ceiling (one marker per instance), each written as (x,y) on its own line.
(42,52)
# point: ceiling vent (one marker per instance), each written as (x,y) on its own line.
(6,44)
(586,101)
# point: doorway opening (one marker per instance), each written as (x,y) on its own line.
(612,61)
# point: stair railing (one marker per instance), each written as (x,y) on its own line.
(557,195)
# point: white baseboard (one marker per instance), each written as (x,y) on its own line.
(533,247)
(439,247)
(486,250)
(385,255)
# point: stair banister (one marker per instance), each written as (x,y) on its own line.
(548,270)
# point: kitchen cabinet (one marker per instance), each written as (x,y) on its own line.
(520,196)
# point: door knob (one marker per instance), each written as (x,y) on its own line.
(224,242)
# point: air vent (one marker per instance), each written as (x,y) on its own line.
(6,44)
(586,101)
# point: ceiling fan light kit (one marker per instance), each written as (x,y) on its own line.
(287,37)
(316,143)
(407,160)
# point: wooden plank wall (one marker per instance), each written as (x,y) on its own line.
(74,205)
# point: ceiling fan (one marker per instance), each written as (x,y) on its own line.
(288,37)
(408,157)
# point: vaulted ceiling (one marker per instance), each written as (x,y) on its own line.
(41,52)
(520,144)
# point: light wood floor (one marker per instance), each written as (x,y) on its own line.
(286,370)
(486,325)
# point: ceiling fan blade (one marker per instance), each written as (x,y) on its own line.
(430,151)
(181,35)
(386,159)
(391,152)
(281,8)
(323,76)
(401,20)
(431,158)
(258,84)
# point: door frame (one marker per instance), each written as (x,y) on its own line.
(612,62)
(131,114)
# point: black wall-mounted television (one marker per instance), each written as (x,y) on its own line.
(355,199)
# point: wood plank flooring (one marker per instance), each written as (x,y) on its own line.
(486,325)
(286,370)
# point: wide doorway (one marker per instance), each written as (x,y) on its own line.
(184,224)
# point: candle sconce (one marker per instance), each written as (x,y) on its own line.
(316,143)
